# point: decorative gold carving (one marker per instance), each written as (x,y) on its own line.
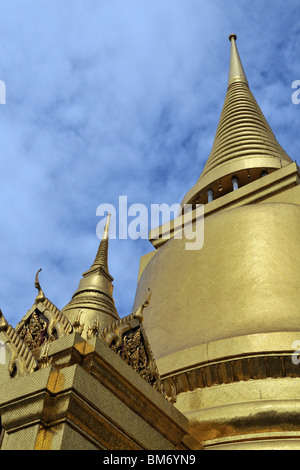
(127,338)
(44,359)
(132,350)
(93,330)
(44,322)
(77,325)
(41,296)
(35,331)
(139,312)
(43,325)
(173,397)
(3,322)
(245,368)
(21,360)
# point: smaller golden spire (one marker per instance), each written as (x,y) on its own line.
(102,254)
(94,296)
(236,70)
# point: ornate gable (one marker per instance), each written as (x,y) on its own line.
(127,338)
(43,323)
(22,361)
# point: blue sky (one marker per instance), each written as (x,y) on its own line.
(110,98)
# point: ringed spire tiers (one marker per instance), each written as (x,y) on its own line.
(244,146)
(101,259)
(92,304)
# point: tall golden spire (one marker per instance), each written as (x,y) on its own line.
(244,144)
(93,305)
(102,254)
(236,70)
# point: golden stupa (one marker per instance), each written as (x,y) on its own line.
(223,320)
(213,361)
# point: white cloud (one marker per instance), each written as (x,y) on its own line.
(109,98)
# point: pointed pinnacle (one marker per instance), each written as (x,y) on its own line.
(236,71)
(102,254)
(3,322)
(41,296)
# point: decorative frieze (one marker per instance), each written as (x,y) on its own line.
(254,367)
(127,338)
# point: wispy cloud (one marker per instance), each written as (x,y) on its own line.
(110,98)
